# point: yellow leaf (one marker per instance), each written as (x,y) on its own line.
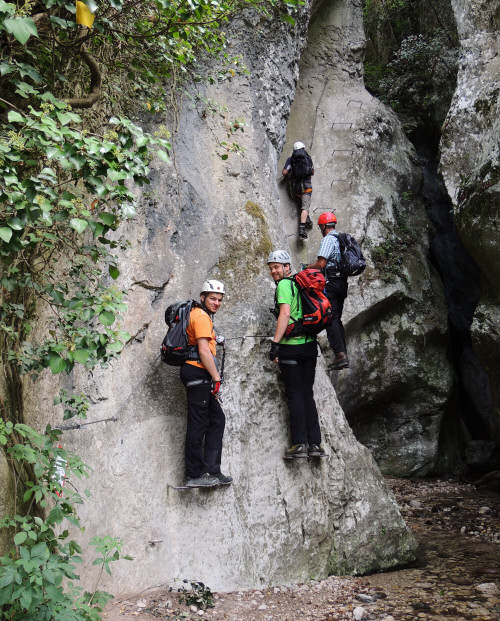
(83,15)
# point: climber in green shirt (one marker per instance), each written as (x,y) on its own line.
(296,357)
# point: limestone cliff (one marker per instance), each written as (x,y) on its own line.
(398,387)
(278,522)
(205,216)
(471,169)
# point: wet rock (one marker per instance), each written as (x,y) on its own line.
(366,599)
(462,581)
(488,588)
(359,613)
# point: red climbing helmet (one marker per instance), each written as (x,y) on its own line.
(327,218)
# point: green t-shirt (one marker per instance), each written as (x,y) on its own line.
(287,293)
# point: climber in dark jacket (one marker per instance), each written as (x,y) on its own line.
(300,169)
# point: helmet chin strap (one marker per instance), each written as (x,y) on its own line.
(203,303)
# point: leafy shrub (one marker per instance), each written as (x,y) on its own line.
(37,577)
(421,76)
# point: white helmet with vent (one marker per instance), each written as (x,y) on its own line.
(212,286)
(279,256)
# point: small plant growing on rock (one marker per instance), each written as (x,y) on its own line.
(197,595)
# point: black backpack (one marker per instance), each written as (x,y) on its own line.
(302,164)
(352,261)
(175,349)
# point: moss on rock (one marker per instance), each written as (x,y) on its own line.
(246,253)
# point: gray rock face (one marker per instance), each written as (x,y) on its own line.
(399,382)
(470,164)
(279,522)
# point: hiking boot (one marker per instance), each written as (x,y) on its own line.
(206,480)
(309,223)
(316,450)
(223,479)
(296,451)
(340,361)
(302,231)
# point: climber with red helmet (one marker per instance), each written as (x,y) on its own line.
(299,166)
(201,378)
(336,287)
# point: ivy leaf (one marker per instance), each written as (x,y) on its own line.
(107,218)
(128,210)
(15,224)
(117,175)
(288,19)
(116,346)
(52,152)
(15,117)
(114,272)
(20,538)
(6,233)
(107,318)
(7,7)
(21,27)
(92,6)
(78,224)
(62,23)
(163,155)
(25,89)
(57,364)
(81,355)
(6,68)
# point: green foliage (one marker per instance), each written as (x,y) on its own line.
(37,576)
(421,77)
(197,595)
(66,184)
(144,43)
(63,191)
(386,23)
(411,59)
(74,405)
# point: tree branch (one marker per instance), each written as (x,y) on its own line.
(95,82)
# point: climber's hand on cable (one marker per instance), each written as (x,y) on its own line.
(274,351)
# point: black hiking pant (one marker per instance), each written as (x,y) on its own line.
(205,424)
(336,292)
(298,368)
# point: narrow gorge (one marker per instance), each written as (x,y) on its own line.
(420,397)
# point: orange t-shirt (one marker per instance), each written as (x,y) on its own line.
(200,326)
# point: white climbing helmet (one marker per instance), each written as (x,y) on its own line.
(279,256)
(212,286)
(298,145)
